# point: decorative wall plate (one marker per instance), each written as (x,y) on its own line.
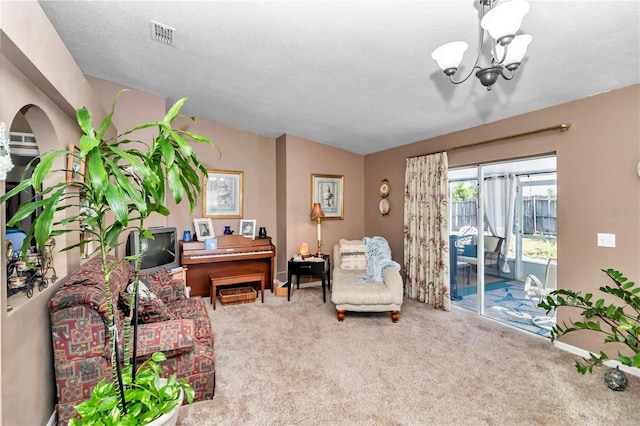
(384,188)
(384,207)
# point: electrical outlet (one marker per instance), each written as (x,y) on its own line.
(606,240)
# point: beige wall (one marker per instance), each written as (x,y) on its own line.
(302,158)
(598,187)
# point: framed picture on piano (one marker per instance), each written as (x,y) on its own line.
(204,229)
(222,194)
(248,228)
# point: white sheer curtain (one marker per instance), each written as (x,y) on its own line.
(499,208)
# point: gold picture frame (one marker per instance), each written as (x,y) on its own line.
(328,190)
(75,166)
(222,194)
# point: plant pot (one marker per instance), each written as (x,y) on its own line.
(170,418)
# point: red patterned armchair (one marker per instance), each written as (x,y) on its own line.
(173,324)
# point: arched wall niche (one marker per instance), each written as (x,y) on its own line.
(33,119)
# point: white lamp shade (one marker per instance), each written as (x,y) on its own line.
(450,55)
(505,19)
(515,50)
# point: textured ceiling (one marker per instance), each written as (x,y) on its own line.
(352,74)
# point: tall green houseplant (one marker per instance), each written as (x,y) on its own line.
(124,182)
(618,322)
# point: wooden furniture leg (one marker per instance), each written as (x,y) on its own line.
(395,315)
(340,315)
(212,293)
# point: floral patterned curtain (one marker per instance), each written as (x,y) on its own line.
(426,231)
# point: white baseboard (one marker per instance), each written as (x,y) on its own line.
(52,420)
(585,354)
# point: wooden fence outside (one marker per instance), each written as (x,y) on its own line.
(539,215)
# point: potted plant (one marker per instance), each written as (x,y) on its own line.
(618,322)
(149,398)
(124,182)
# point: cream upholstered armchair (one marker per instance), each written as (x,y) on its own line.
(365,279)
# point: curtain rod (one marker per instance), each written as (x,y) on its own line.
(560,127)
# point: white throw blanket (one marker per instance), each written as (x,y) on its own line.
(378,258)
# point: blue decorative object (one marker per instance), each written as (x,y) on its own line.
(470,250)
(262,233)
(211,244)
(227,230)
(186,236)
(16,236)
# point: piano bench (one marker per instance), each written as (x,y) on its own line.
(236,279)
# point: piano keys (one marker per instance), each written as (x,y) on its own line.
(235,256)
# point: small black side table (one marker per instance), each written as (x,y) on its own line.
(310,268)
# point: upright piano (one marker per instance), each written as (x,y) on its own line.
(236,255)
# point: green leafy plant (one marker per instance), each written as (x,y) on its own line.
(125,181)
(464,191)
(148,397)
(617,322)
(538,248)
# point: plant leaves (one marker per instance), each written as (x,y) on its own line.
(174,111)
(117,203)
(98,178)
(84,121)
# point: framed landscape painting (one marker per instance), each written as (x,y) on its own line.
(222,194)
(328,190)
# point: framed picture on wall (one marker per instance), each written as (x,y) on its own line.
(328,190)
(222,194)
(75,166)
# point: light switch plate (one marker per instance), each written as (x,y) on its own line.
(606,240)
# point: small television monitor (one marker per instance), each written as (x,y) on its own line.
(160,252)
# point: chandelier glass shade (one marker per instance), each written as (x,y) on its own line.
(516,51)
(505,20)
(502,22)
(448,56)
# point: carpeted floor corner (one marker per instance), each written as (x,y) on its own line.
(293,363)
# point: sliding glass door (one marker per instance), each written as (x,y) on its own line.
(502,230)
(465,264)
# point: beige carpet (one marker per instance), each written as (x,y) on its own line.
(281,363)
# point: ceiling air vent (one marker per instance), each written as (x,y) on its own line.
(163,33)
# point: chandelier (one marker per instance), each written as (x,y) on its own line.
(502,22)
